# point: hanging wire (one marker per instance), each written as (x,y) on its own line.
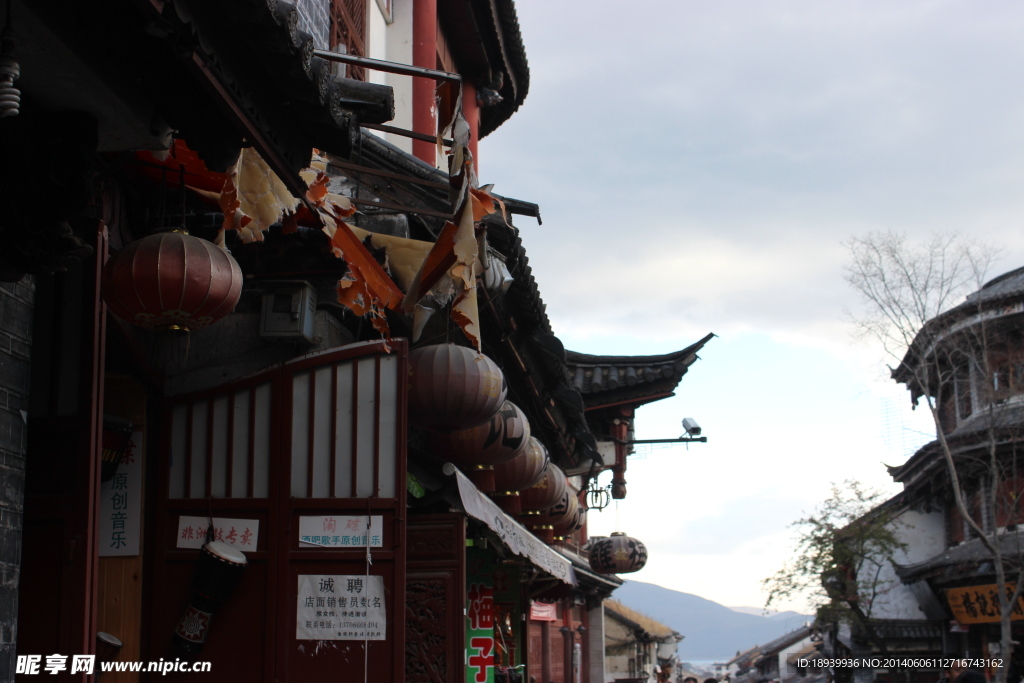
(366,582)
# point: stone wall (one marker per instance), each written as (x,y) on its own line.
(16,301)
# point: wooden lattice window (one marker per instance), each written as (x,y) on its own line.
(348,32)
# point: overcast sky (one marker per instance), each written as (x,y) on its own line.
(698,166)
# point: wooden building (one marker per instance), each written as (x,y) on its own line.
(285,431)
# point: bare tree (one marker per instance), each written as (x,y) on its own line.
(965,359)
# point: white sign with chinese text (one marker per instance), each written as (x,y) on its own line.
(340,607)
(237,533)
(121,505)
(331,531)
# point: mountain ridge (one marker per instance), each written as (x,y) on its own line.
(712,631)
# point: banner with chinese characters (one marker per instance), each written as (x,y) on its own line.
(332,531)
(480,617)
(340,607)
(980,604)
(237,533)
(120,520)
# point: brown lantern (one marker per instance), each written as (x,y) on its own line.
(545,493)
(562,517)
(617,554)
(498,440)
(172,281)
(452,387)
(519,473)
(581,518)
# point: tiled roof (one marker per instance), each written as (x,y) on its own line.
(652,626)
(599,378)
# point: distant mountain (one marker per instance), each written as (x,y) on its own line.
(771,614)
(712,631)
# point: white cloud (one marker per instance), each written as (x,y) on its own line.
(698,166)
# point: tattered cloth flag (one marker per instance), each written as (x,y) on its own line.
(457,250)
(366,289)
(253,197)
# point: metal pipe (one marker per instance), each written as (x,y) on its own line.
(682,439)
(389,67)
(425,137)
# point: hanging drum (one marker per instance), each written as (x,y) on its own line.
(519,473)
(452,387)
(217,575)
(172,281)
(617,554)
(547,492)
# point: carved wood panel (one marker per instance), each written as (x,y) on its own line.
(428,602)
(435,596)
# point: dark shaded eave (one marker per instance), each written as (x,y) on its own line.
(906,629)
(220,74)
(993,294)
(784,641)
(605,380)
(959,562)
(968,436)
(510,43)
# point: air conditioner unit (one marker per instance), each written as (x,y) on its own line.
(288,310)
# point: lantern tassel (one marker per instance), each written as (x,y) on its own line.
(169,351)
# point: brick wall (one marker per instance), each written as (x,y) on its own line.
(15,345)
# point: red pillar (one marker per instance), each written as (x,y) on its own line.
(424,53)
(471,110)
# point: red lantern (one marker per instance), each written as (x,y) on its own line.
(452,387)
(617,554)
(545,493)
(172,281)
(498,440)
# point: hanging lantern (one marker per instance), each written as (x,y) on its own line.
(545,493)
(172,281)
(581,519)
(562,517)
(498,440)
(519,473)
(453,387)
(617,554)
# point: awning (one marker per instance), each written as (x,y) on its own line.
(513,534)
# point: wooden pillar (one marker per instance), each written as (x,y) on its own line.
(545,651)
(568,640)
(424,53)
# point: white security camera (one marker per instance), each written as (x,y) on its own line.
(691,427)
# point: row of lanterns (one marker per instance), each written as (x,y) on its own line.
(459,396)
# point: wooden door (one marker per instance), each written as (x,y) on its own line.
(321,436)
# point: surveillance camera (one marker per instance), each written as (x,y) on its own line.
(691,427)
